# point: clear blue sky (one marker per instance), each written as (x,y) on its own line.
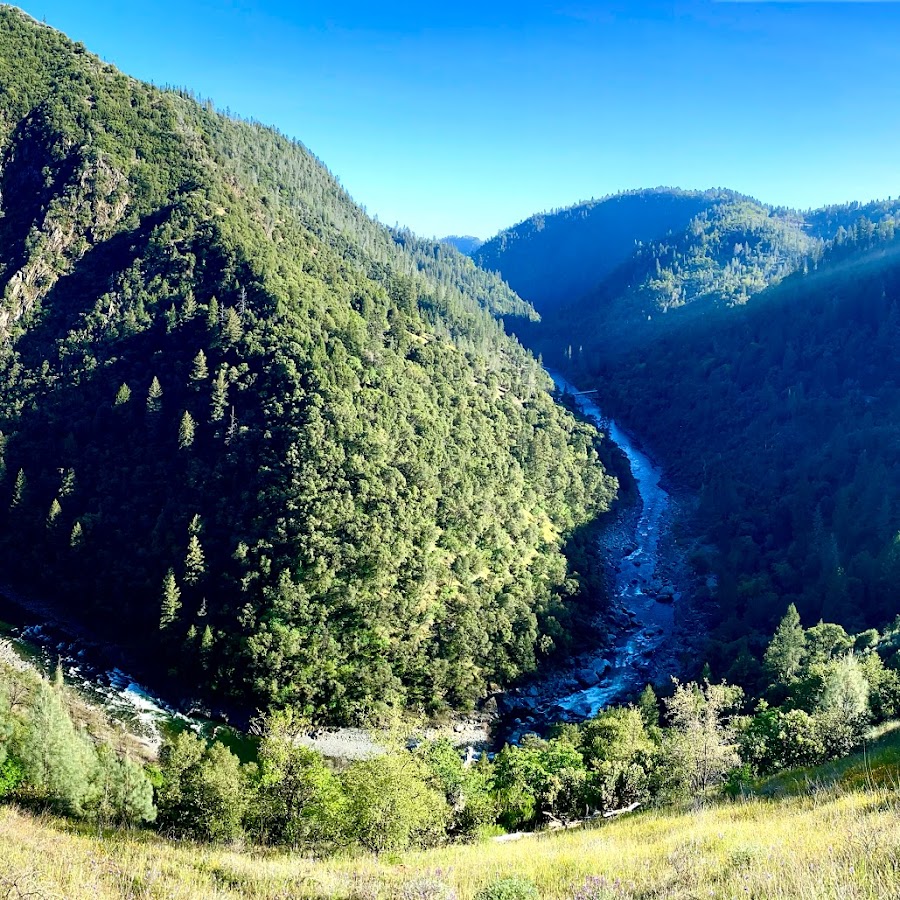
(466,117)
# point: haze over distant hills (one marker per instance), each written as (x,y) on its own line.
(464,243)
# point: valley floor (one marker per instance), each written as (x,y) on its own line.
(836,844)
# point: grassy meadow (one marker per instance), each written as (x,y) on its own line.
(832,843)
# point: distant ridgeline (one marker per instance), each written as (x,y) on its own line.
(289,452)
(757,351)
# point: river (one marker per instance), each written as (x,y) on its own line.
(640,590)
(639,636)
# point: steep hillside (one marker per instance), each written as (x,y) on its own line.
(553,259)
(754,350)
(783,416)
(726,254)
(289,454)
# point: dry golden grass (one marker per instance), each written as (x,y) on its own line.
(838,845)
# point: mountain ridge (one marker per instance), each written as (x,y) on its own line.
(293,450)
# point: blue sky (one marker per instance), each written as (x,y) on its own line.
(467,117)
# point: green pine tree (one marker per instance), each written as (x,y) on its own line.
(186,431)
(189,307)
(232,330)
(19,489)
(212,314)
(786,651)
(67,483)
(219,401)
(123,395)
(53,514)
(58,762)
(170,602)
(206,644)
(76,538)
(199,372)
(194,562)
(154,396)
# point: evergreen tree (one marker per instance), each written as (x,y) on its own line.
(77,535)
(786,651)
(67,483)
(170,601)
(186,431)
(189,307)
(219,401)
(53,513)
(58,763)
(194,562)
(154,396)
(122,793)
(199,372)
(212,314)
(232,330)
(123,395)
(19,489)
(206,645)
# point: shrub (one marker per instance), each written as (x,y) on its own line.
(509,889)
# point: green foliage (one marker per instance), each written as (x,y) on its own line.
(186,431)
(12,775)
(122,795)
(700,748)
(514,888)
(466,788)
(648,705)
(53,512)
(390,805)
(297,799)
(203,790)
(200,371)
(621,750)
(775,739)
(170,601)
(58,763)
(787,648)
(194,562)
(18,493)
(154,397)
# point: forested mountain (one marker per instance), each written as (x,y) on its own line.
(554,258)
(784,415)
(607,271)
(290,453)
(755,350)
(464,243)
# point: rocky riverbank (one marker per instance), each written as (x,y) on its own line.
(651,624)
